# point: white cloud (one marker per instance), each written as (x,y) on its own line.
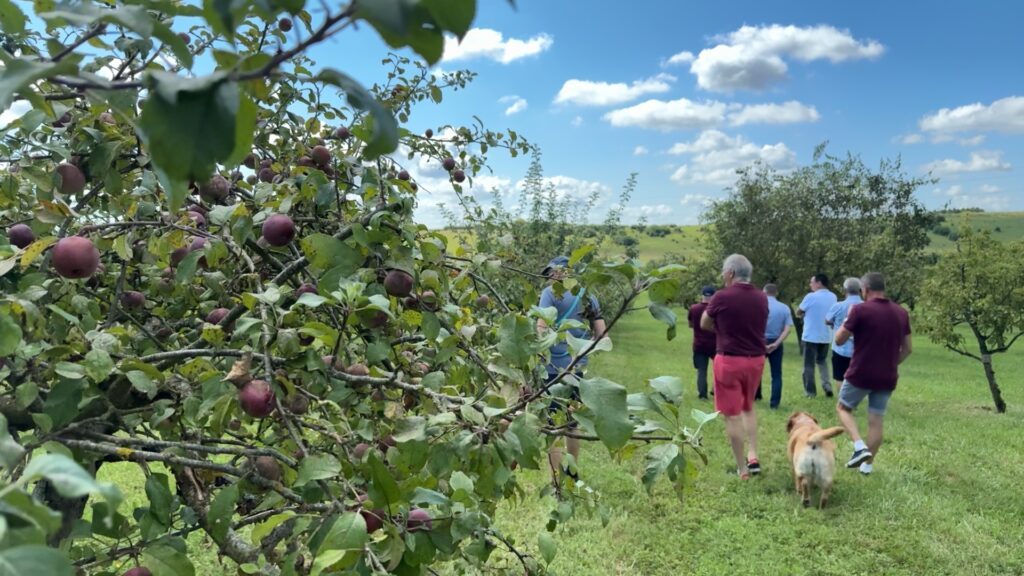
(973,140)
(15,111)
(791,112)
(989,189)
(910,139)
(569,187)
(701,200)
(671,115)
(1005,115)
(640,151)
(716,157)
(983,161)
(679,58)
(577,121)
(684,114)
(985,197)
(516,106)
(753,57)
(491,44)
(589,93)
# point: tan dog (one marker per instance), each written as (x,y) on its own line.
(812,455)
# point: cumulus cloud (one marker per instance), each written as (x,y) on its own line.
(590,93)
(701,200)
(685,114)
(577,121)
(715,157)
(15,111)
(985,197)
(1004,115)
(516,104)
(491,44)
(680,58)
(982,161)
(754,57)
(678,114)
(973,140)
(791,112)
(910,139)
(640,151)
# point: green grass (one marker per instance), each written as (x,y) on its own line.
(945,497)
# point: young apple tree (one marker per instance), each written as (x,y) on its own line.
(210,270)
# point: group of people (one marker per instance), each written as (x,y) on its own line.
(737,328)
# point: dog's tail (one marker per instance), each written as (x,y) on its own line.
(818,437)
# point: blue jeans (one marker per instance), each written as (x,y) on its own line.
(775,364)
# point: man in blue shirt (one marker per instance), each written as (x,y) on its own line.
(817,334)
(780,322)
(842,353)
(583,308)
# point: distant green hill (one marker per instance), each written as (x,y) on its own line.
(685,240)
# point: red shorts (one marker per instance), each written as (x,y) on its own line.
(736,382)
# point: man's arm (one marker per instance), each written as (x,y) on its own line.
(707,323)
(542,327)
(905,349)
(773,346)
(598,328)
(842,335)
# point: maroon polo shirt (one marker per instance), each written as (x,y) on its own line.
(740,313)
(878,327)
(703,341)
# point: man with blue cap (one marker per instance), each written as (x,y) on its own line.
(580,307)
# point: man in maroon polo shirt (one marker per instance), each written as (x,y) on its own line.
(703,341)
(737,314)
(881,329)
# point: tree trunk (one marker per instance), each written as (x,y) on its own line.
(990,374)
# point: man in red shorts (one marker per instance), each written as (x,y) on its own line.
(738,314)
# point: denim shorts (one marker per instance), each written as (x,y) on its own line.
(850,396)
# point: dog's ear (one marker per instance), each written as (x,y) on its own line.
(792,419)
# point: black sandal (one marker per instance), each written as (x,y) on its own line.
(754,467)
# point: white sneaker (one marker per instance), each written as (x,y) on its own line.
(865,468)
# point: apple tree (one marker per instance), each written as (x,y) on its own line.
(210,271)
(976,292)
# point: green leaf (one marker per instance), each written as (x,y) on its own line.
(410,429)
(317,467)
(222,509)
(671,387)
(10,451)
(70,479)
(384,136)
(34,560)
(10,335)
(384,487)
(189,124)
(580,253)
(658,461)
(607,400)
(664,290)
(160,498)
(456,16)
(327,252)
(515,339)
(347,533)
(70,370)
(11,17)
(98,364)
(664,314)
(245,130)
(18,73)
(142,382)
(164,560)
(547,546)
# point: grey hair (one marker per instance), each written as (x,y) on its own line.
(852,285)
(739,266)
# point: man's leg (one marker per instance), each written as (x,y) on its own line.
(809,359)
(822,357)
(875,424)
(750,427)
(729,401)
(700,362)
(849,397)
(735,429)
(775,367)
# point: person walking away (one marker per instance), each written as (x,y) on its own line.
(881,329)
(816,335)
(703,341)
(737,314)
(584,308)
(842,354)
(780,322)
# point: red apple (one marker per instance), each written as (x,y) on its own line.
(266,174)
(72,181)
(256,398)
(448,163)
(459,176)
(374,519)
(139,571)
(216,315)
(342,133)
(21,235)
(75,257)
(321,155)
(285,24)
(268,467)
(133,299)
(216,189)
(278,230)
(419,520)
(398,283)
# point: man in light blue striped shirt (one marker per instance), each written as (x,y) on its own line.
(841,354)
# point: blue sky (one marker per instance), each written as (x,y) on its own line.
(939,85)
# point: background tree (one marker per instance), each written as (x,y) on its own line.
(209,268)
(976,292)
(834,216)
